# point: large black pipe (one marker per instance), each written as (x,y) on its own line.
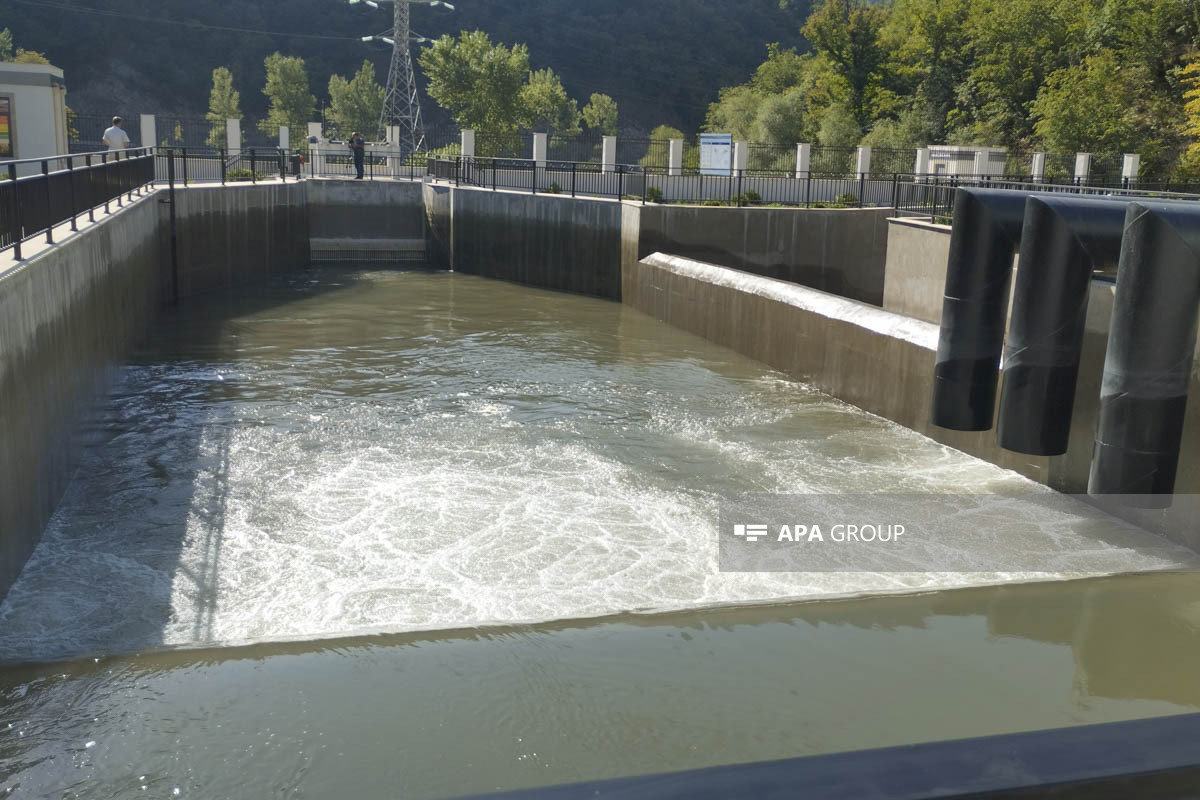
(987,227)
(1063,240)
(1151,340)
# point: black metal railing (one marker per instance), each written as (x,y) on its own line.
(933,196)
(651,184)
(36,195)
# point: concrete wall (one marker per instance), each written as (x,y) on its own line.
(549,241)
(915,269)
(37,95)
(349,209)
(228,235)
(67,318)
(880,361)
(841,251)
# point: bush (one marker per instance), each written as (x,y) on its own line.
(654,194)
(243,174)
(554,188)
(712,201)
(848,199)
(753,198)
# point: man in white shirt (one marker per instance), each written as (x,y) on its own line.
(115,137)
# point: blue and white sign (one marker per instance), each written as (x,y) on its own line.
(716,154)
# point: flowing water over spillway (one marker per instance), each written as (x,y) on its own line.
(340,451)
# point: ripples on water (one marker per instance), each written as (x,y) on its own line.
(341,452)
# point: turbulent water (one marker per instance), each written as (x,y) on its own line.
(346,451)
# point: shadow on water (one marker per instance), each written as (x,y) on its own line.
(160,466)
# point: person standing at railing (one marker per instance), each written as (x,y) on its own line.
(115,137)
(358,147)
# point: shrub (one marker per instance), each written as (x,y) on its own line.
(753,198)
(242,174)
(554,188)
(712,201)
(848,199)
(654,194)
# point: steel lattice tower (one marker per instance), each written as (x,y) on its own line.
(401,102)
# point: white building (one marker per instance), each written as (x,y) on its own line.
(33,111)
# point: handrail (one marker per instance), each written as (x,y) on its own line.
(145,151)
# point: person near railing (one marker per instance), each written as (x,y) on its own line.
(115,138)
(358,147)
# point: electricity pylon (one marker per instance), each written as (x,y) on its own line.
(401,102)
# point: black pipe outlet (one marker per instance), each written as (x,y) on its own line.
(1063,240)
(1151,341)
(987,227)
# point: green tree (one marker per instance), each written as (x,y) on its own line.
(929,47)
(546,106)
(355,104)
(782,119)
(6,45)
(478,83)
(735,112)
(292,104)
(224,103)
(846,33)
(600,115)
(839,128)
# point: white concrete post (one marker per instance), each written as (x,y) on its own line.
(863,164)
(314,129)
(609,157)
(741,156)
(1130,167)
(1037,167)
(922,165)
(675,160)
(1083,166)
(468,143)
(803,160)
(541,143)
(285,137)
(149,133)
(233,136)
(393,134)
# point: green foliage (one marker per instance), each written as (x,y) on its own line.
(243,174)
(224,103)
(554,188)
(291,102)
(355,104)
(909,131)
(478,83)
(847,200)
(839,128)
(600,115)
(6,45)
(654,194)
(782,119)
(546,107)
(846,33)
(21,55)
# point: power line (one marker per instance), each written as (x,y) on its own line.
(185,23)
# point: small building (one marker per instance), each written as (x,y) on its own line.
(967,160)
(33,111)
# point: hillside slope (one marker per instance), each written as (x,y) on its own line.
(663,60)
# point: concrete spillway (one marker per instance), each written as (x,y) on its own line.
(341,452)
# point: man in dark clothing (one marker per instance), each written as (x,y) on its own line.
(358,147)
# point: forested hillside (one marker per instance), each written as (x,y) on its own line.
(662,60)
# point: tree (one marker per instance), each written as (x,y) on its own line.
(355,104)
(600,115)
(6,45)
(21,55)
(287,88)
(846,32)
(929,46)
(478,83)
(782,119)
(224,103)
(546,107)
(839,128)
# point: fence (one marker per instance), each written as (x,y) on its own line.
(929,196)
(87,132)
(651,184)
(63,188)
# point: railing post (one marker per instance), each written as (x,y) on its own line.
(116,171)
(574,170)
(282,166)
(457,171)
(49,202)
(71,183)
(371,165)
(16,211)
(620,182)
(253,166)
(174,229)
(91,187)
(534,182)
(741,173)
(862,187)
(493,174)
(808,189)
(104,174)
(224,164)
(183,155)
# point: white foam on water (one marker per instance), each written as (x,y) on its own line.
(452,481)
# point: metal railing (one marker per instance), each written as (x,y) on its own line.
(933,196)
(61,189)
(739,188)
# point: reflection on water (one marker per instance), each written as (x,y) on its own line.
(433,715)
(342,452)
